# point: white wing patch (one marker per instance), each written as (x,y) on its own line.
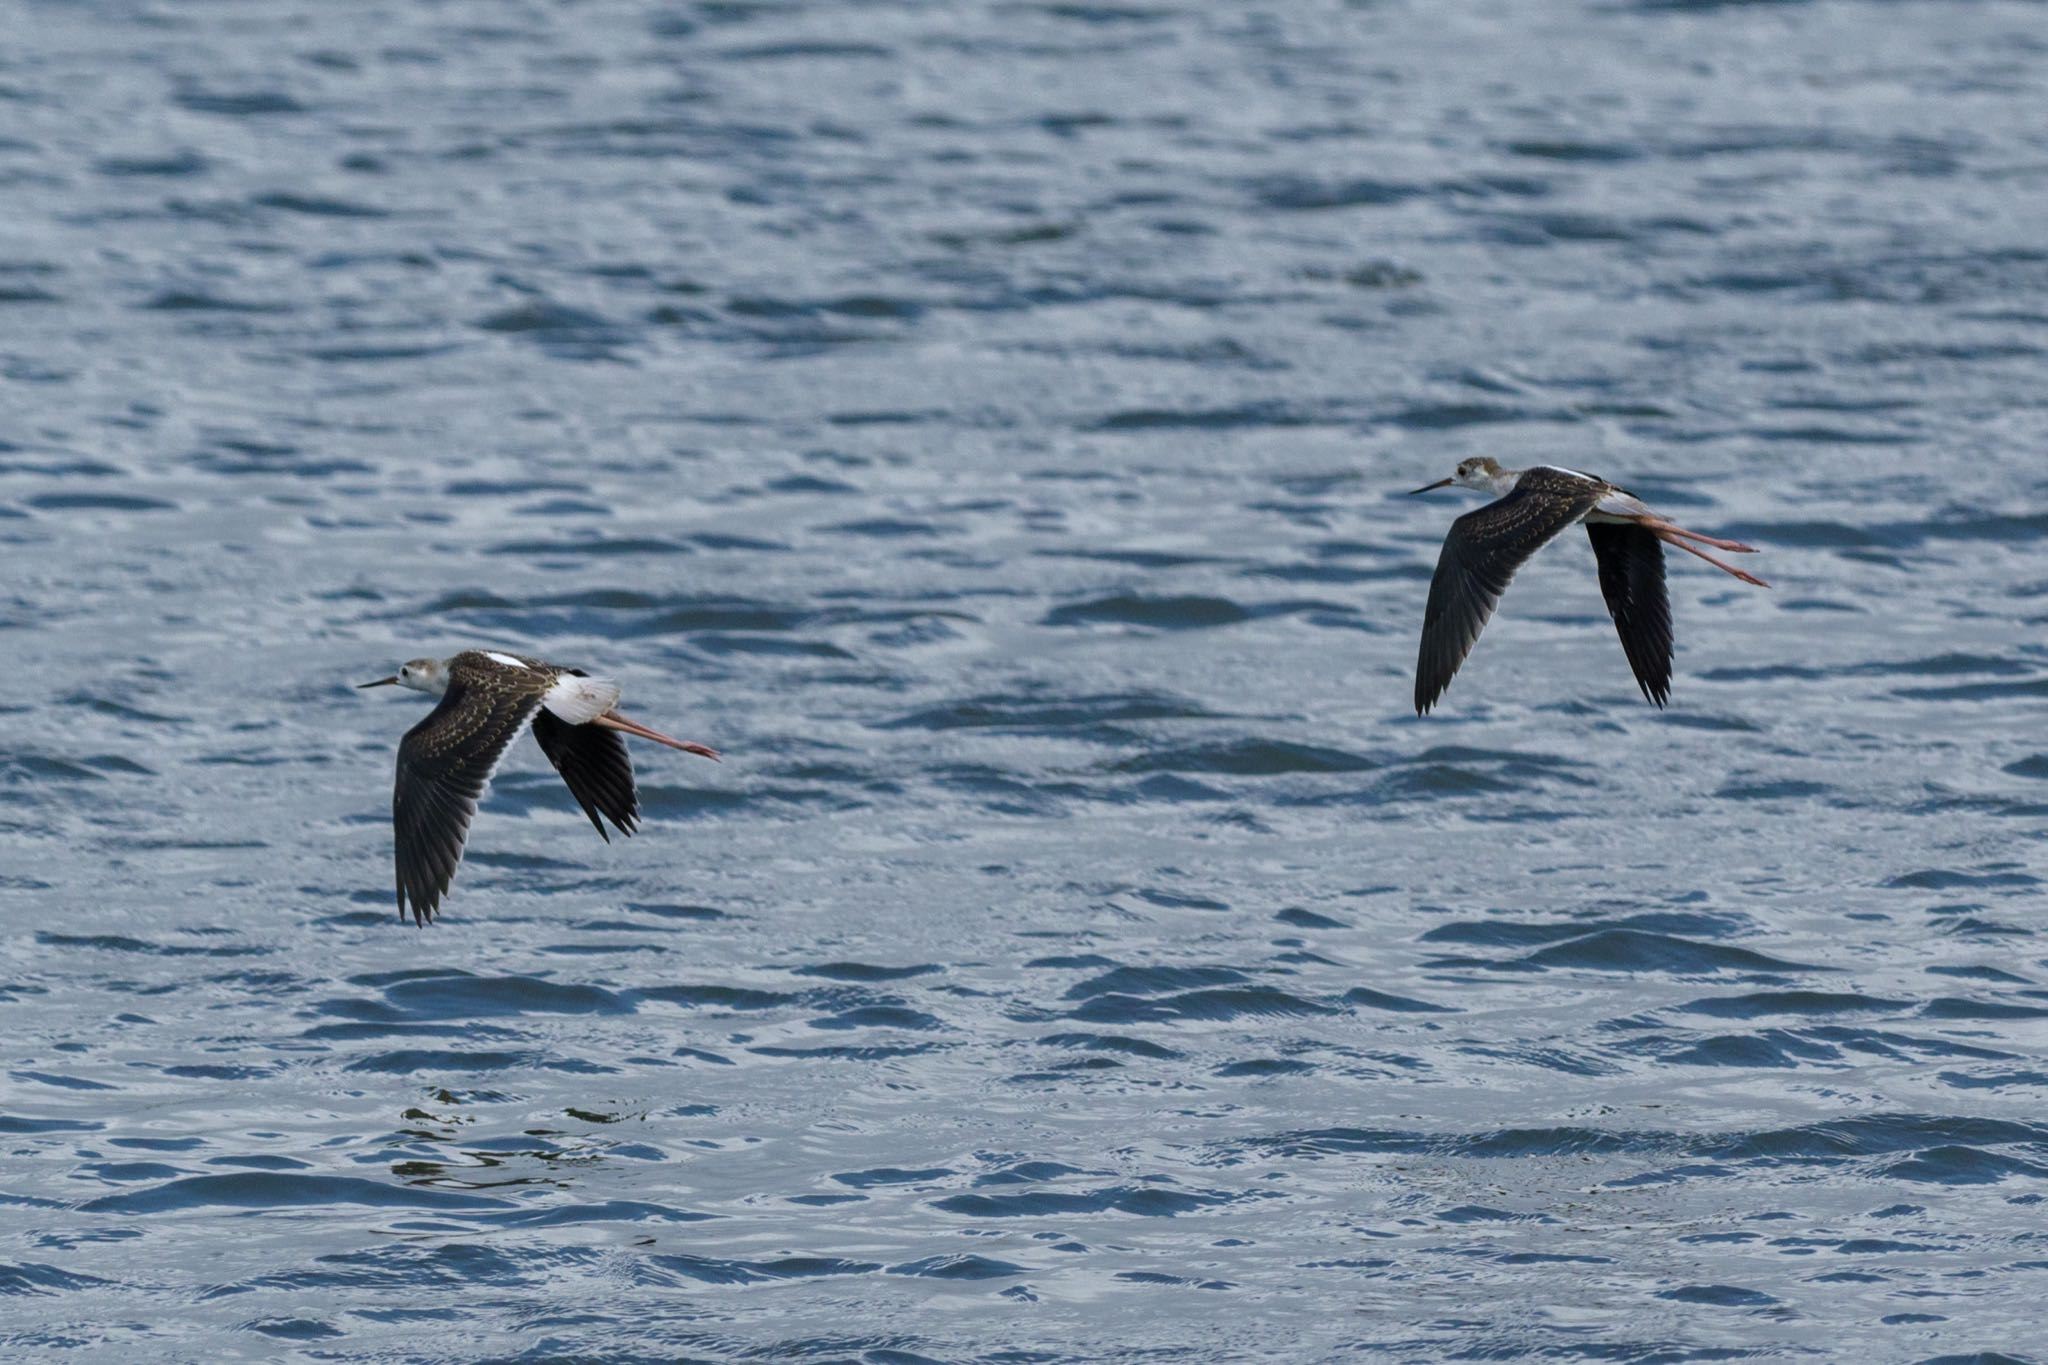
(580,701)
(505,659)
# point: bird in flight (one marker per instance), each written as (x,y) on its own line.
(446,760)
(1486,546)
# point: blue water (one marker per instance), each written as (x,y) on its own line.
(988,423)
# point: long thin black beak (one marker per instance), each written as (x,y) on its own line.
(381,682)
(1440,483)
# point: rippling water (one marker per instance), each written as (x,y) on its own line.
(986,422)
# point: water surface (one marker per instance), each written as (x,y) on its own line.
(987,423)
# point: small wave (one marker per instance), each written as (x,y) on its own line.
(1719,1296)
(878,1016)
(97,502)
(316,206)
(1507,933)
(179,163)
(1246,415)
(1954,1007)
(464,996)
(1210,1005)
(1297,193)
(607,1211)
(295,1329)
(1163,613)
(1247,758)
(1110,1042)
(1633,950)
(958,1267)
(265,1190)
(121,943)
(1783,789)
(1762,1004)
(1154,981)
(862,971)
(242,104)
(869,1053)
(1951,879)
(592,544)
(890,1175)
(714,996)
(1031,713)
(1141,1201)
(1771,1048)
(411,1061)
(29,1277)
(1362,997)
(1955,1165)
(1263,1066)
(1832,1141)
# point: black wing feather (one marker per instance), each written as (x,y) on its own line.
(1480,556)
(593,762)
(444,764)
(1632,580)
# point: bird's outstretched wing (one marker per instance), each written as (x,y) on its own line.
(1632,580)
(593,761)
(444,763)
(1480,555)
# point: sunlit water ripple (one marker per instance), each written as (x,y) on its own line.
(987,422)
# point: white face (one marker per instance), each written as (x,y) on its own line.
(423,675)
(1481,473)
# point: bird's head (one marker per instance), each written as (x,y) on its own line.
(421,675)
(1479,471)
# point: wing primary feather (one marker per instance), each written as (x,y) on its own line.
(1631,564)
(444,764)
(1480,556)
(595,767)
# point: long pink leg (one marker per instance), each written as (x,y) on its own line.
(1659,524)
(612,720)
(1664,534)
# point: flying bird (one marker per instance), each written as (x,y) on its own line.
(1486,546)
(446,760)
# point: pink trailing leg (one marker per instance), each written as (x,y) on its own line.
(612,720)
(1660,525)
(1666,533)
